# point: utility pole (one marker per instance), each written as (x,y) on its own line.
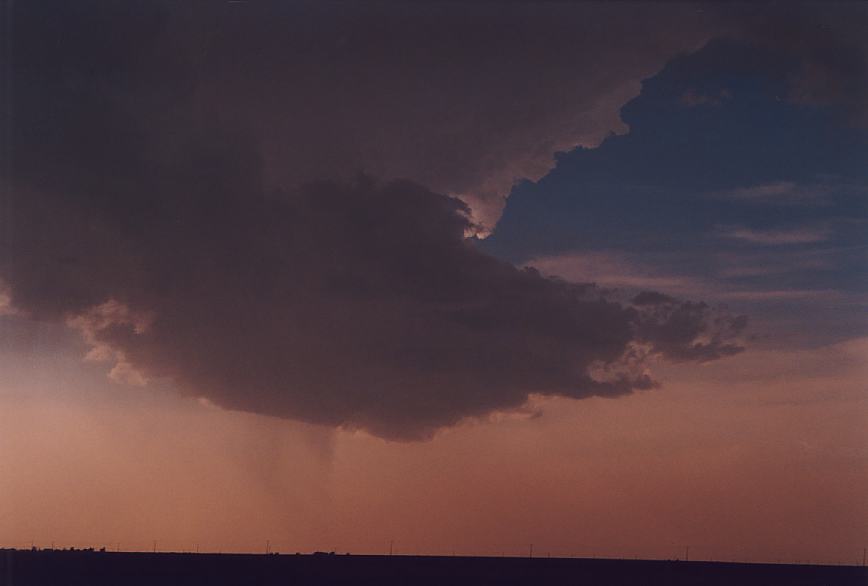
(155,546)
(863,556)
(531,551)
(391,545)
(687,553)
(267,546)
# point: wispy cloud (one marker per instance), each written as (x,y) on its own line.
(781,294)
(616,270)
(724,283)
(820,192)
(775,237)
(737,265)
(783,192)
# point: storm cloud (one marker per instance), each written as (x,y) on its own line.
(270,205)
(465,98)
(358,305)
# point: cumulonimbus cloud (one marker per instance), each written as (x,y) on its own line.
(362,306)
(177,188)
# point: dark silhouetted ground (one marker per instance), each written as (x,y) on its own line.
(94,568)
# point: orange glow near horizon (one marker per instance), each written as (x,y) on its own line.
(735,465)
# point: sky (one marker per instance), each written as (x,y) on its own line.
(456,276)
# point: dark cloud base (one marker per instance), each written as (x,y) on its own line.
(357,305)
